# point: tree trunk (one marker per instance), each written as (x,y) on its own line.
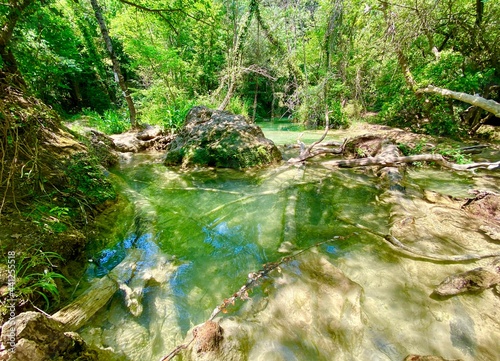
(235,60)
(116,65)
(254,113)
(9,64)
(480,102)
(292,67)
(398,47)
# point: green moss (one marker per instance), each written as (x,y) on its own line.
(173,157)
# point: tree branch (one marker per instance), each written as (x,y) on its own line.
(480,102)
(165,10)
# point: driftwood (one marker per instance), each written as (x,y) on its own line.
(76,314)
(395,161)
(312,150)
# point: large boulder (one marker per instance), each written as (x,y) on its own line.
(220,139)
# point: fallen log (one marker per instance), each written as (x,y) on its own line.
(76,314)
(395,161)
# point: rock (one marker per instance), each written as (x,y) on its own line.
(4,274)
(475,280)
(221,139)
(128,142)
(310,302)
(486,206)
(32,336)
(208,337)
(426,358)
(149,132)
(491,231)
(103,147)
(147,139)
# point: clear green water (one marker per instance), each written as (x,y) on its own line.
(205,230)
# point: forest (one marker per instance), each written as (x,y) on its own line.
(429,67)
(265,59)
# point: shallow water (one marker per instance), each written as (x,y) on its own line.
(203,231)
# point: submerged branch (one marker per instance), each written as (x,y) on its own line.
(398,246)
(242,294)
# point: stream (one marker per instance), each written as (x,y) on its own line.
(203,231)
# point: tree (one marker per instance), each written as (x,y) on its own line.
(16,10)
(116,65)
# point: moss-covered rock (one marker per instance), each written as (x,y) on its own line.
(220,139)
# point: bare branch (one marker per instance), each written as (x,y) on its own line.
(306,153)
(394,161)
(480,102)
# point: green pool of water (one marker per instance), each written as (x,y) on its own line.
(205,230)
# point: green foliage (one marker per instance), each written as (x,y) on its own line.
(316,55)
(36,277)
(164,106)
(412,150)
(60,59)
(455,155)
(110,122)
(239,106)
(50,217)
(311,112)
(453,70)
(86,180)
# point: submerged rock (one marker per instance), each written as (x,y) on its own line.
(475,280)
(220,139)
(310,302)
(426,358)
(208,337)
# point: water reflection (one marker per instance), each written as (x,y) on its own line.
(203,231)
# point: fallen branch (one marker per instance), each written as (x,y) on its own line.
(242,293)
(398,246)
(394,161)
(307,152)
(76,314)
